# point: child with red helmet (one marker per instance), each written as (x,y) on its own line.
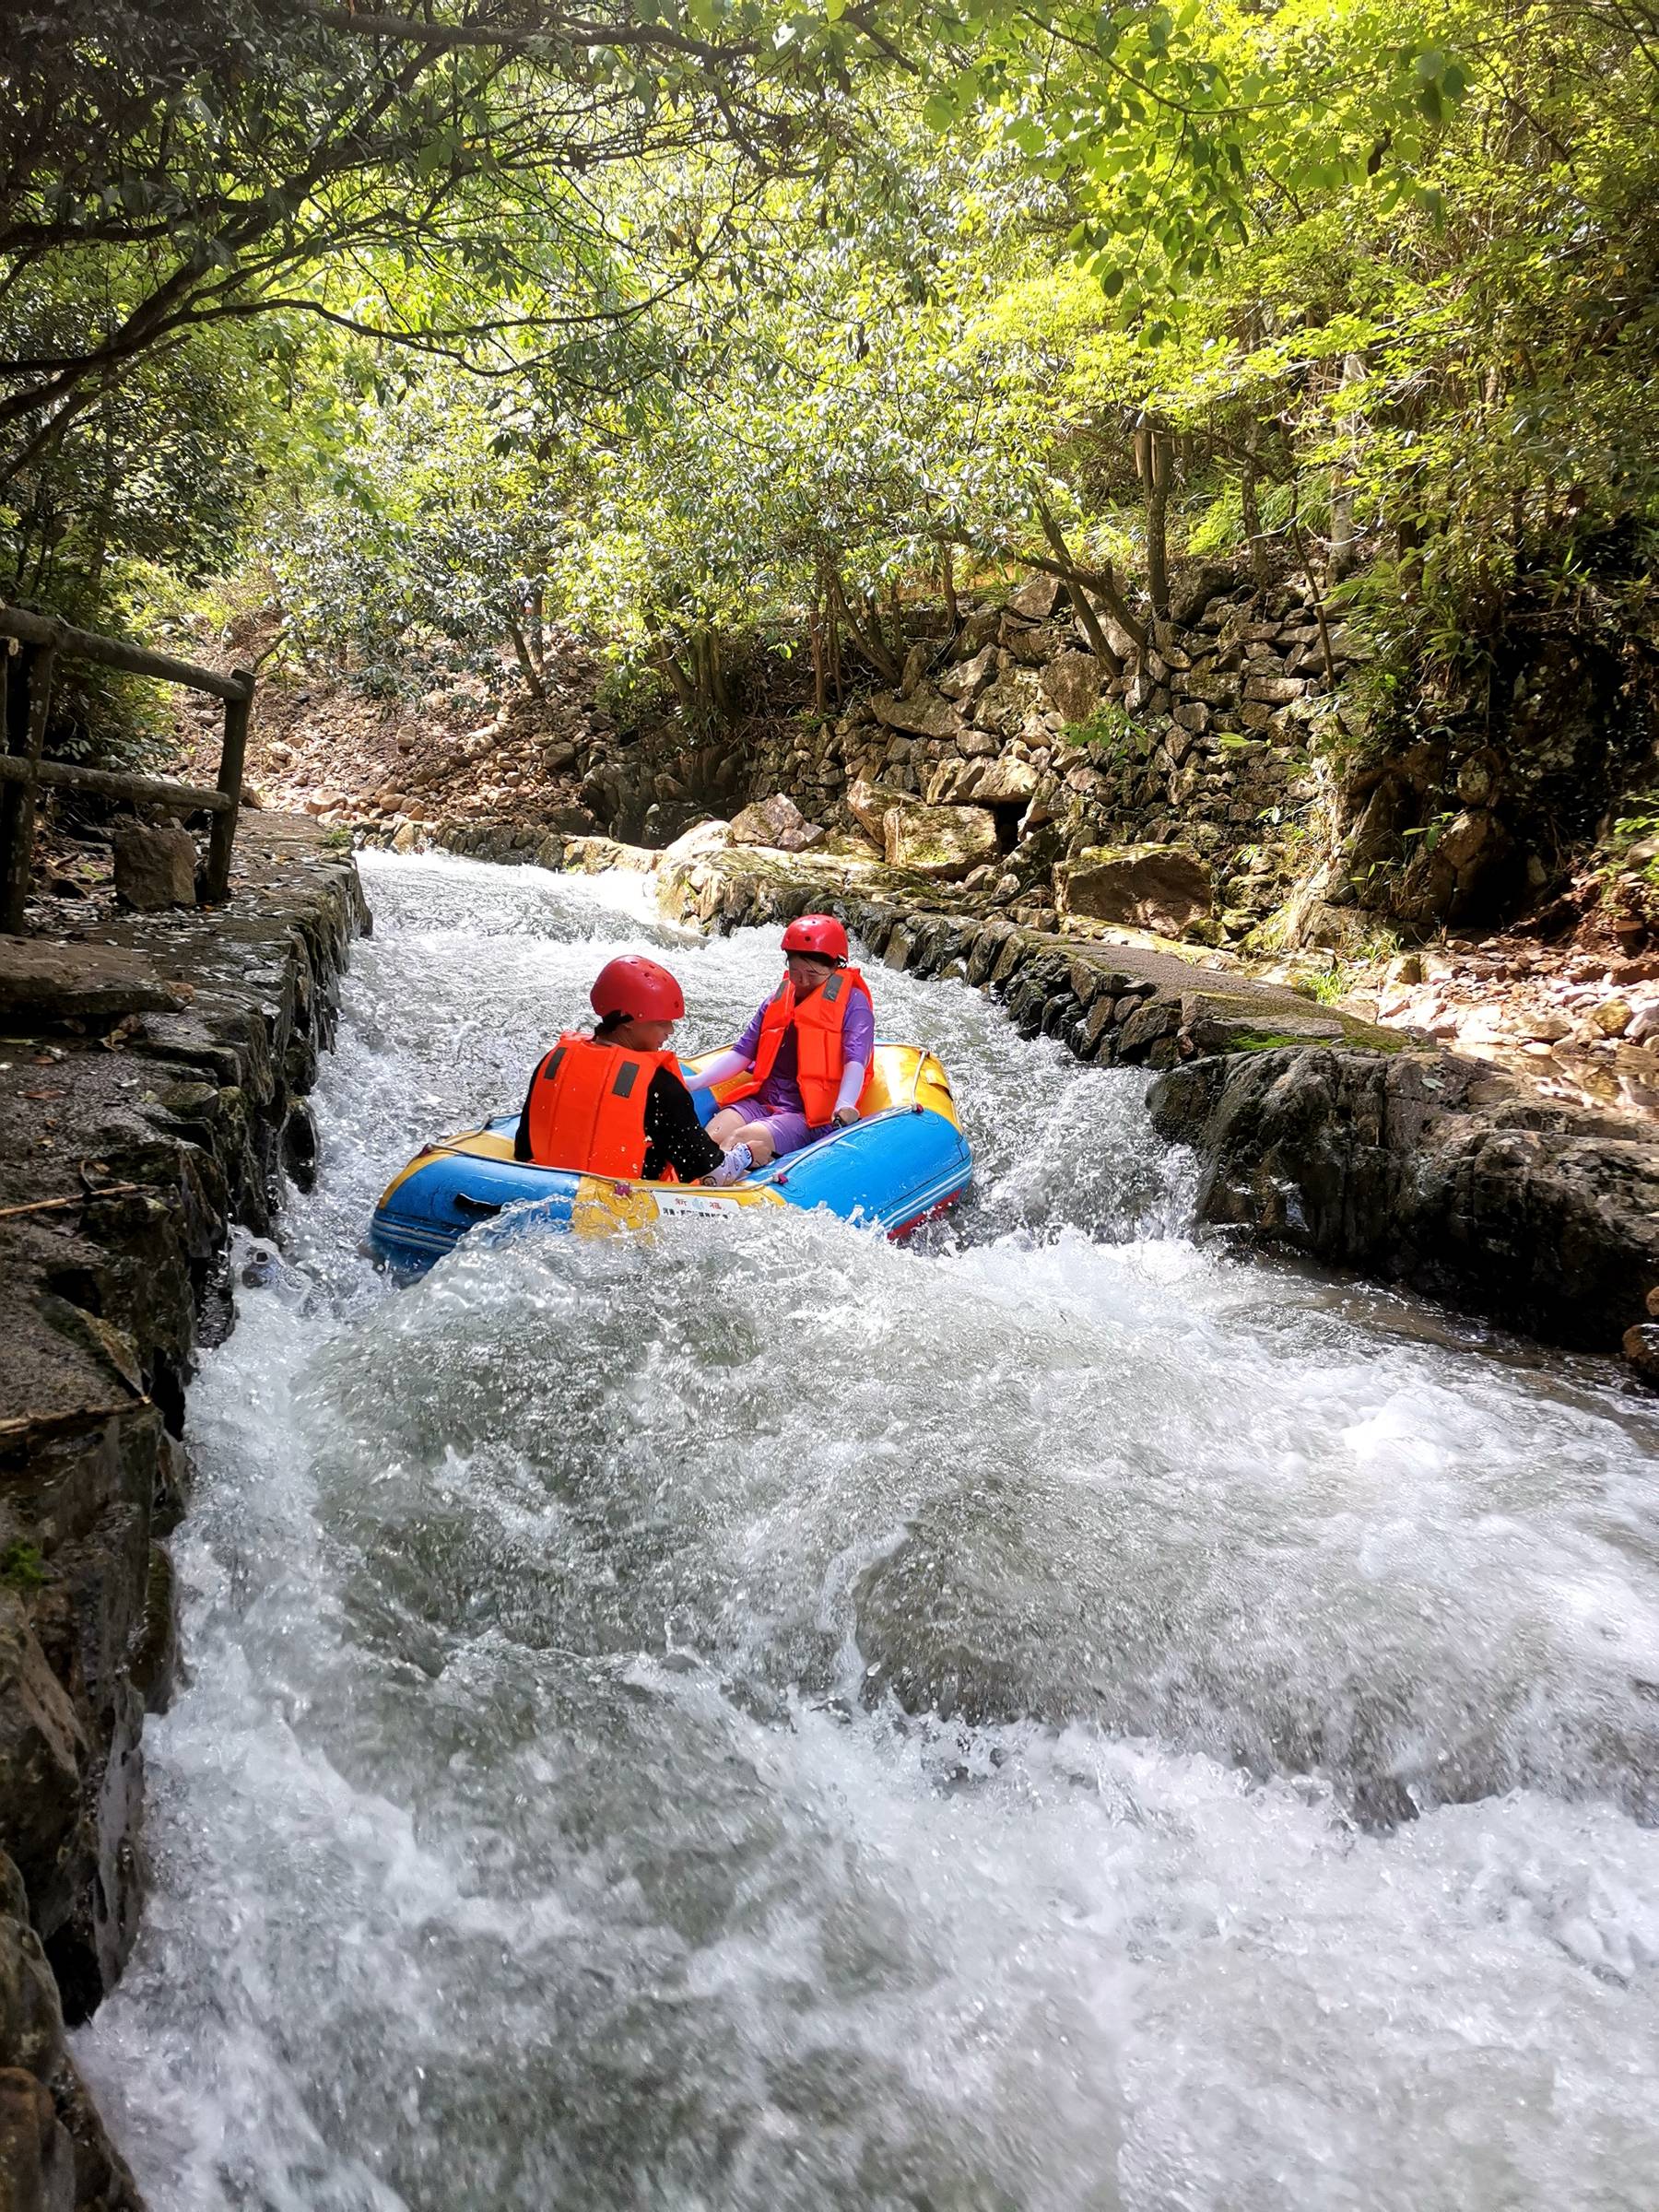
(805,1056)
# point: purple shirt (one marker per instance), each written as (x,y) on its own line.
(781,1093)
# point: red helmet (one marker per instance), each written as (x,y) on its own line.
(639,989)
(821,933)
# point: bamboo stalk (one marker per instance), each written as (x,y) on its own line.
(28,1424)
(48,1206)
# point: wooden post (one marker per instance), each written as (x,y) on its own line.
(7,811)
(217,888)
(18,800)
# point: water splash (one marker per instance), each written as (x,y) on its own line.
(1053,1717)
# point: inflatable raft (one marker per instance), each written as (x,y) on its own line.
(904,1159)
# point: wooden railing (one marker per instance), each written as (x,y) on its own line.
(25,699)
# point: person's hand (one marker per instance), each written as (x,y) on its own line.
(845,1116)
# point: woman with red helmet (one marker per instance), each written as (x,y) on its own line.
(616,1103)
(804,1058)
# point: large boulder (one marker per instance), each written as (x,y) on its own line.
(951,782)
(1163,887)
(599,855)
(1194,592)
(1004,707)
(54,2149)
(1032,643)
(1072,682)
(43,1755)
(941,842)
(870,804)
(570,821)
(1429,1170)
(1035,601)
(155,868)
(923,714)
(702,837)
(776,822)
(979,630)
(968,678)
(1003,781)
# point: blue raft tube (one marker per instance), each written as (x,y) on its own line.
(904,1160)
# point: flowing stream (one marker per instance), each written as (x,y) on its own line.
(1049,1716)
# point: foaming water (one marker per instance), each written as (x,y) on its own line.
(1047,1717)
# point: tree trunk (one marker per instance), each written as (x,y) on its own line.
(1259,572)
(678,679)
(1085,613)
(536,632)
(1319,612)
(1159,453)
(1103,581)
(878,635)
(1342,489)
(533,682)
(106,511)
(947,581)
(871,642)
(720,692)
(814,637)
(700,678)
(684,689)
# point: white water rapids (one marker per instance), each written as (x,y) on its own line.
(1050,1717)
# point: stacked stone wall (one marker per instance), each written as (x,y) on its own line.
(152,1096)
(1203,741)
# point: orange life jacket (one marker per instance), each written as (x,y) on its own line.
(820,1059)
(586,1109)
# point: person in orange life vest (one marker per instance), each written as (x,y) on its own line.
(807,1050)
(616,1103)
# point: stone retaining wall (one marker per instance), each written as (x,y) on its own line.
(1203,742)
(151,1095)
